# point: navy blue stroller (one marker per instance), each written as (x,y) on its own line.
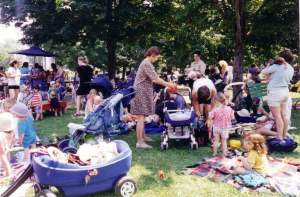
(178,122)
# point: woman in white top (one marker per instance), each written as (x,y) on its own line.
(13,78)
(280,74)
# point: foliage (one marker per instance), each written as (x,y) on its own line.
(115,33)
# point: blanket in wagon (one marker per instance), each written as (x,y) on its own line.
(284,175)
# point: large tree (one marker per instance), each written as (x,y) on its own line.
(115,32)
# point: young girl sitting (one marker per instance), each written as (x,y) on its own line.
(219,121)
(257,154)
(25,128)
(7,126)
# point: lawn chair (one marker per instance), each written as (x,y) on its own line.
(257,90)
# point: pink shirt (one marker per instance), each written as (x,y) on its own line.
(222,117)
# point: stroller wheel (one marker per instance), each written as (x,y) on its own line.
(46,193)
(194,146)
(126,187)
(164,146)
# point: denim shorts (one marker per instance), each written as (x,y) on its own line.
(37,109)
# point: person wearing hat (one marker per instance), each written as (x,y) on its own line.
(54,98)
(7,126)
(26,130)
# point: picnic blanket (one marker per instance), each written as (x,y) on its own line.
(284,178)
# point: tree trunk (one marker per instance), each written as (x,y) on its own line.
(111,43)
(238,49)
(111,46)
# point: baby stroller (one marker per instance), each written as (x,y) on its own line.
(107,119)
(178,122)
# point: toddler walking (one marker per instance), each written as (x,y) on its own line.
(219,121)
(26,130)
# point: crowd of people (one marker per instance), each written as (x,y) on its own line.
(33,86)
(29,87)
(212,104)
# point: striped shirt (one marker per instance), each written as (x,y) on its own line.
(36,99)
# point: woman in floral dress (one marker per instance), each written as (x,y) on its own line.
(143,105)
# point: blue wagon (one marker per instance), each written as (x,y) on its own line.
(75,180)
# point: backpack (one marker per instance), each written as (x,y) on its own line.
(288,145)
(201,133)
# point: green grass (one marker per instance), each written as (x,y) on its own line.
(147,164)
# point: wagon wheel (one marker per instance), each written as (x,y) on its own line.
(125,187)
(46,193)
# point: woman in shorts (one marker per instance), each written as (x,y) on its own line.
(280,75)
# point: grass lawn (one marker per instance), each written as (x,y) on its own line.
(147,163)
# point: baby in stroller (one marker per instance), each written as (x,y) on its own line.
(178,117)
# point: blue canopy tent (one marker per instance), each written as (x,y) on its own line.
(34,51)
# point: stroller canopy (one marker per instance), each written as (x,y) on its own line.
(102,84)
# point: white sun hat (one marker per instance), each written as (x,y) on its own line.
(7,122)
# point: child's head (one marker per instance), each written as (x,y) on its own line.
(93,92)
(255,142)
(52,84)
(36,89)
(8,103)
(57,83)
(221,98)
(20,111)
(24,88)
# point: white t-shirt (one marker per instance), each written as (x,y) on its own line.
(280,76)
(203,82)
(14,81)
(198,67)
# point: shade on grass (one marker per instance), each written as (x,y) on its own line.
(148,163)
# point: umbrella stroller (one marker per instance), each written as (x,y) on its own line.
(107,119)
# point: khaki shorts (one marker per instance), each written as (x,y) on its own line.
(277,97)
(224,133)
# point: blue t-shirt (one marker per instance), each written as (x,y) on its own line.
(61,92)
(24,75)
(26,128)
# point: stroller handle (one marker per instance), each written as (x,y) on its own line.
(177,110)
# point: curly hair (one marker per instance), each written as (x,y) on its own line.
(258,143)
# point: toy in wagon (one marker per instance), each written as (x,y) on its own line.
(84,163)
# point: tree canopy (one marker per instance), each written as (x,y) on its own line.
(115,33)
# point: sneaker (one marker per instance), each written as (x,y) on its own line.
(148,139)
(143,145)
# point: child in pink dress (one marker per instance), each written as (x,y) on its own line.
(219,121)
